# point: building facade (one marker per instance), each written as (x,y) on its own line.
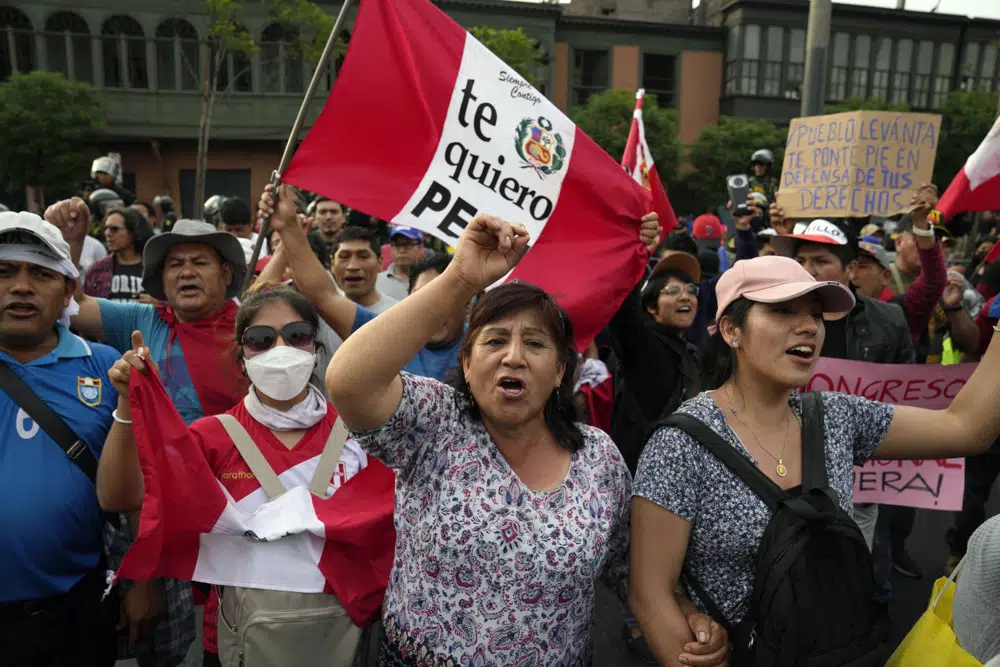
(898,56)
(734,57)
(149,59)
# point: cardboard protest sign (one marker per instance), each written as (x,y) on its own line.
(856,163)
(936,484)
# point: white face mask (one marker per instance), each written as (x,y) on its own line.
(282,372)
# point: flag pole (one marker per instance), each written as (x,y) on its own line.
(293,137)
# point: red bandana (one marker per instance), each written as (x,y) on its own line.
(209,352)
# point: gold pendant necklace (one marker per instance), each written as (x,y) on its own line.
(780,469)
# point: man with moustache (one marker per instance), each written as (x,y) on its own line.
(51,561)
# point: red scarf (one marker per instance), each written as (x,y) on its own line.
(209,351)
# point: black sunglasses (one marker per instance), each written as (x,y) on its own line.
(262,338)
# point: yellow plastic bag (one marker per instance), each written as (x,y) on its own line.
(932,642)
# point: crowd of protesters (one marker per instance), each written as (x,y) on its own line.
(527,473)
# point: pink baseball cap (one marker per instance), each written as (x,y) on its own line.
(776,279)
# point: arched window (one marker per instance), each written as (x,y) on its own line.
(177,59)
(67,46)
(236,68)
(123,48)
(17,48)
(281,59)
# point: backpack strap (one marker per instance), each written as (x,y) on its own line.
(813,443)
(253,457)
(329,459)
(741,466)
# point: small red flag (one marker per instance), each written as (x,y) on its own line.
(977,186)
(639,164)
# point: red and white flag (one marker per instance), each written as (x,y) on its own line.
(638,162)
(977,185)
(425,127)
(192,528)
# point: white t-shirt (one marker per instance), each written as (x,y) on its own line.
(248,246)
(93,250)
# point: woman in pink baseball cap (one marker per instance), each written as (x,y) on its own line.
(744,495)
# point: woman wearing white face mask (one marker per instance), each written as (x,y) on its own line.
(282,433)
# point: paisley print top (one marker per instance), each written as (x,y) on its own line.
(489,573)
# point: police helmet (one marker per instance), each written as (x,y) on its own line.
(102,199)
(104,164)
(210,210)
(763,156)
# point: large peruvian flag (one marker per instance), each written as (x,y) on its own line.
(977,185)
(425,127)
(192,528)
(638,162)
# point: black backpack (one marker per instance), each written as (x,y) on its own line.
(812,602)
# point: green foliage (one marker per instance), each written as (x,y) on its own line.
(514,47)
(967,118)
(725,149)
(49,128)
(308,19)
(607,118)
(227,31)
(872,104)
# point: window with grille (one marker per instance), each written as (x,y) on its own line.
(67,46)
(282,65)
(837,88)
(235,69)
(750,63)
(17,48)
(796,63)
(123,51)
(901,79)
(178,58)
(988,70)
(970,65)
(732,60)
(591,73)
(922,75)
(773,61)
(942,80)
(862,66)
(883,69)
(658,77)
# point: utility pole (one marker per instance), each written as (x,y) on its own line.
(817,46)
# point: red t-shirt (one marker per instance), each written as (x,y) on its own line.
(294,466)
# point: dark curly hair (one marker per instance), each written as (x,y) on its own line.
(516,297)
(135,223)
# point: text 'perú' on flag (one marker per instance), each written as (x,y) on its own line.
(425,127)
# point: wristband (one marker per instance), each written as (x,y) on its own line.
(952,310)
(926,233)
(114,415)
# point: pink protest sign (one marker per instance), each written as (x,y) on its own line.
(936,484)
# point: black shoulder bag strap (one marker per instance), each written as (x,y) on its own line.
(48,420)
(813,443)
(742,467)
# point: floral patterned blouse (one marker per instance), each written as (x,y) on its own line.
(489,573)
